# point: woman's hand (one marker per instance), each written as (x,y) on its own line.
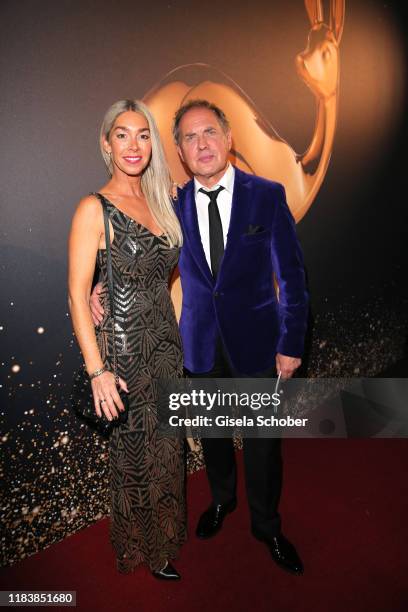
(176,186)
(106,396)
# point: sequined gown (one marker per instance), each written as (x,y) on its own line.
(148,518)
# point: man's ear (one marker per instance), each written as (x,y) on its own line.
(179,151)
(229,139)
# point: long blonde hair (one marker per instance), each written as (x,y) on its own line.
(156,180)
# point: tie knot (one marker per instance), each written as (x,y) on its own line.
(213,195)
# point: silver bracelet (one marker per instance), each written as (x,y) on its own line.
(97,373)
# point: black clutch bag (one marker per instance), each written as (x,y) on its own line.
(82,401)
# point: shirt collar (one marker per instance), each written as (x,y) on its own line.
(226,181)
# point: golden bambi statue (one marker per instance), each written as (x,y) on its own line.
(257,148)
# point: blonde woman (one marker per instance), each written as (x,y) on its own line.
(148,520)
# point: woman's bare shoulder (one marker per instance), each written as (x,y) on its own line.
(89,207)
(88,214)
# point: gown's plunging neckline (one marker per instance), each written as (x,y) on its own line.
(162,235)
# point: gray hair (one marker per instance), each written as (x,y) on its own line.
(221,117)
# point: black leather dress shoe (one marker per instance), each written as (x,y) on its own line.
(167,573)
(211,520)
(284,554)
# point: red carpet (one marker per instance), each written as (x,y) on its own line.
(345,506)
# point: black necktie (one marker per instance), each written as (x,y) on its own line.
(216,234)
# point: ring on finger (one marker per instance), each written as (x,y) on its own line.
(102,401)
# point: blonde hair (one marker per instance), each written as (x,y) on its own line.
(156,180)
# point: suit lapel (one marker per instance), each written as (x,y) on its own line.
(191,231)
(240,208)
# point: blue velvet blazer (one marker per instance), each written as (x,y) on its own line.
(242,306)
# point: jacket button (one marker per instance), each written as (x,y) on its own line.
(216,294)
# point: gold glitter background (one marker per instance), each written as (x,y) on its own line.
(58,81)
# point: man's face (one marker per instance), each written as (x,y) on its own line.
(204,145)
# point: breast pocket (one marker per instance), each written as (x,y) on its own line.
(248,239)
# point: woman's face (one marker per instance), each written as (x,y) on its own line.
(129,143)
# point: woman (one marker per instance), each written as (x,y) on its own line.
(148,520)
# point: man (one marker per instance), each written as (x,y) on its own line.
(238,235)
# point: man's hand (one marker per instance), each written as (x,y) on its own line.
(287,365)
(95,305)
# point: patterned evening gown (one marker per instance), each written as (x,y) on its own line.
(148,516)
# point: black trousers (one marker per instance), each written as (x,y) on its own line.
(262,461)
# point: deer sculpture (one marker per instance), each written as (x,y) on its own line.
(257,148)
